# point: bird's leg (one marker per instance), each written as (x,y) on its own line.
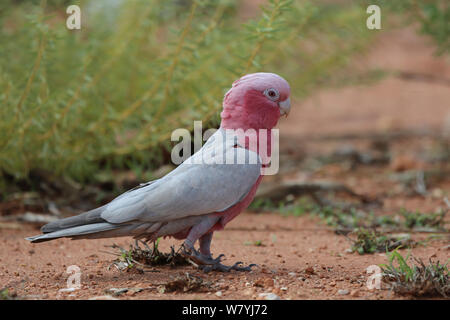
(200,231)
(203,257)
(205,244)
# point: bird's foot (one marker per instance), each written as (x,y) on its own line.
(206,263)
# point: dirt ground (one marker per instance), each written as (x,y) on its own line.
(298,257)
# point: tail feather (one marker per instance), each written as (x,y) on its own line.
(77,232)
(89,217)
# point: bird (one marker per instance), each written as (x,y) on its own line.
(203,193)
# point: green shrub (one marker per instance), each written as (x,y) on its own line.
(109,95)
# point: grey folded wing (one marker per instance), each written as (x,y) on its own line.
(191,189)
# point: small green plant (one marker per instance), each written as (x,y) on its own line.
(370,241)
(416,279)
(418,219)
(354,218)
(291,210)
(342,219)
(296,208)
(386,221)
(5,294)
(257,243)
(262,204)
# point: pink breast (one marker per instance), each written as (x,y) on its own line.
(232,212)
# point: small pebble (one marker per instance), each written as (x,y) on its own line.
(269,296)
(343,292)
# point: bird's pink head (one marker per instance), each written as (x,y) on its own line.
(256,101)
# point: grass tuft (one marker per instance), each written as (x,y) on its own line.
(140,259)
(418,280)
(418,219)
(371,241)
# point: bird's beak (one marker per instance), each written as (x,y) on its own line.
(285,106)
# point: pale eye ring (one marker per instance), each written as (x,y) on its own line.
(272,94)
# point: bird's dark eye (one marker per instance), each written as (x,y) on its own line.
(272,94)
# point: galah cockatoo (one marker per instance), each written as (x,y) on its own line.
(200,196)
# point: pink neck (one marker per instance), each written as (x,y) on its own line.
(248,111)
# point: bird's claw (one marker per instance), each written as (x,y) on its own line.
(201,259)
(207,263)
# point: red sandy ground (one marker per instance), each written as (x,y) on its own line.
(290,245)
(300,257)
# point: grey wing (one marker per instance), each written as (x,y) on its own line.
(191,189)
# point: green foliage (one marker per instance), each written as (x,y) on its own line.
(4,294)
(287,208)
(416,279)
(370,241)
(109,95)
(257,243)
(341,219)
(262,204)
(418,219)
(351,218)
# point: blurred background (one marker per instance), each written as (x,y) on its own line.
(86,114)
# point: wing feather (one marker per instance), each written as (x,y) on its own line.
(201,185)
